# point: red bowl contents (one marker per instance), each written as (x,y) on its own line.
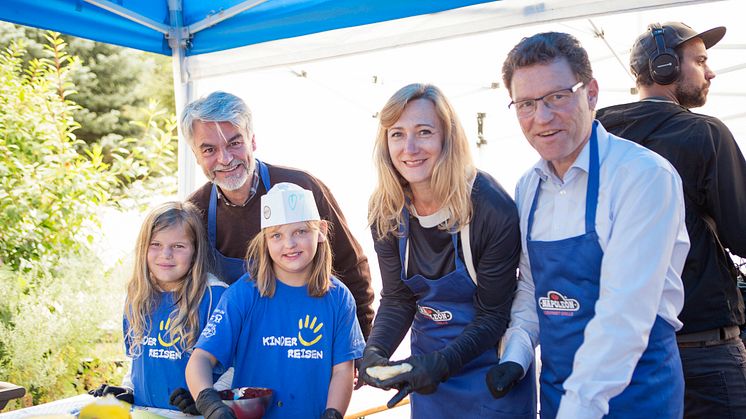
(247,402)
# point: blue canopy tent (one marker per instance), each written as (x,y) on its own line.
(208,26)
(190,29)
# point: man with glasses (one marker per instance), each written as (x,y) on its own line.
(713,170)
(604,242)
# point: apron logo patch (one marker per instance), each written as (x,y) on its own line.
(558,305)
(435,315)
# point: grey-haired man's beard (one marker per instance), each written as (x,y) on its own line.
(690,96)
(231,183)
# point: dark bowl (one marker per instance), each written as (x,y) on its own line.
(247,402)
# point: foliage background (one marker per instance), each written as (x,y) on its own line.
(84,128)
(112,83)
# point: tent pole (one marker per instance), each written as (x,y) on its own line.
(222,15)
(177,39)
(129,15)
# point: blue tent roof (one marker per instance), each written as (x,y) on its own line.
(269,20)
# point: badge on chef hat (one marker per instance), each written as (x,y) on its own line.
(287,203)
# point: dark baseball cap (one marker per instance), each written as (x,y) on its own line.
(674,34)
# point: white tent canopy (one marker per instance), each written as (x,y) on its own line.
(348,60)
(470,20)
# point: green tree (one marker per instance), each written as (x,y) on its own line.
(48,191)
(146,163)
(52,183)
(112,83)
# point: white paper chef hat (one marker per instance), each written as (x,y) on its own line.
(287,203)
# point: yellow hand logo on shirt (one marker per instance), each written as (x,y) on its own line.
(302,325)
(165,328)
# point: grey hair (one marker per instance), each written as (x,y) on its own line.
(216,107)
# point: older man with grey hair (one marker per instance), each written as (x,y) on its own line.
(219,131)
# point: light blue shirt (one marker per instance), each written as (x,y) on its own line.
(640,224)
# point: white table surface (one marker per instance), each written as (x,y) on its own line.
(364,398)
(72,405)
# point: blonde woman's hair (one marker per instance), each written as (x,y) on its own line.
(144,294)
(452,174)
(261,268)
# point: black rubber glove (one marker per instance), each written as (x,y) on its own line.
(124,394)
(211,406)
(357,381)
(372,356)
(502,377)
(399,396)
(332,413)
(427,372)
(183,400)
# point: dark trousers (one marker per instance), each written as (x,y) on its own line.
(715,381)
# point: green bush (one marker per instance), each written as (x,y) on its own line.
(60,330)
(60,312)
(49,193)
(51,184)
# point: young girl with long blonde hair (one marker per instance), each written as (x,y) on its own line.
(169,298)
(287,324)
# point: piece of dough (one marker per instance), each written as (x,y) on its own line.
(384,372)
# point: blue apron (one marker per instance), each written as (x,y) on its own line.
(567,275)
(230,269)
(445,306)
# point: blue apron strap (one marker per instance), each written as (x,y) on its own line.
(212,216)
(404,233)
(264,174)
(213,206)
(532,210)
(456,258)
(591,195)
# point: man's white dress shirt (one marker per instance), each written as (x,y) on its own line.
(640,224)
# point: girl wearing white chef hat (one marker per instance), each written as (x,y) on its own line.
(287,324)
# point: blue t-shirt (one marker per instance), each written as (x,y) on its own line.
(288,343)
(159,369)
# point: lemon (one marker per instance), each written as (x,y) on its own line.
(106,408)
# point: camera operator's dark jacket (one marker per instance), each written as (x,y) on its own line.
(713,171)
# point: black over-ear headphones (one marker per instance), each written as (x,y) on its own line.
(664,64)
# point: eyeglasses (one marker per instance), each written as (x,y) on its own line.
(554,100)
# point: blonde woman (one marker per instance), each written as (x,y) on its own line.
(169,299)
(432,214)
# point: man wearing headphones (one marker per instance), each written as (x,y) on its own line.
(670,62)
